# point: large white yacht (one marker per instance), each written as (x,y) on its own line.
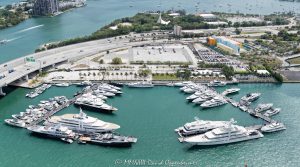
(56,131)
(215,102)
(81,122)
(192,97)
(224,135)
(251,97)
(140,85)
(273,127)
(199,126)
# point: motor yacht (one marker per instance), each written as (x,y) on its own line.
(251,97)
(272,112)
(231,91)
(273,127)
(263,107)
(223,135)
(64,84)
(57,131)
(199,126)
(216,83)
(109,139)
(82,123)
(15,122)
(215,102)
(140,85)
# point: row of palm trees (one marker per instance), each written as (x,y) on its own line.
(102,74)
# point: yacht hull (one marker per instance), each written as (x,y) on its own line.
(223,142)
(94,108)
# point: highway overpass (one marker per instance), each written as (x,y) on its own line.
(23,68)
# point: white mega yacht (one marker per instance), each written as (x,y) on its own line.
(82,122)
(224,135)
(199,126)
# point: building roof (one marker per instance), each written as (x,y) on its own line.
(207,15)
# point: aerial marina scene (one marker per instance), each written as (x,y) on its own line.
(149,83)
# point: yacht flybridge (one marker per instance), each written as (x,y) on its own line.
(199,126)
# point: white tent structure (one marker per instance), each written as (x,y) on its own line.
(161,21)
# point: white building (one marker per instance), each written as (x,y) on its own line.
(208,16)
(177,30)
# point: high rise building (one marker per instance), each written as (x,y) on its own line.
(45,7)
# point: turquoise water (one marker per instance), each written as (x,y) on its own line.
(97,13)
(151,115)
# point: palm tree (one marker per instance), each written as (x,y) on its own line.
(107,73)
(103,74)
(126,74)
(117,74)
(112,74)
(99,74)
(121,75)
(135,75)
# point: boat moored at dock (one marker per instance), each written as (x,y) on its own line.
(109,139)
(251,97)
(82,123)
(140,85)
(273,127)
(223,135)
(15,122)
(199,126)
(57,131)
(263,107)
(216,83)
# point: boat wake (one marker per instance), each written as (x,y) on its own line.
(13,39)
(30,28)
(4,41)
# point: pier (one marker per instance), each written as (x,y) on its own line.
(247,109)
(61,107)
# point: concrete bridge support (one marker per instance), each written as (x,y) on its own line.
(26,77)
(1,92)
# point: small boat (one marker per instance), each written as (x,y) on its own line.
(273,127)
(231,91)
(251,97)
(263,107)
(272,112)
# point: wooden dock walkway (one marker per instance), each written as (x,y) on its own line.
(248,110)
